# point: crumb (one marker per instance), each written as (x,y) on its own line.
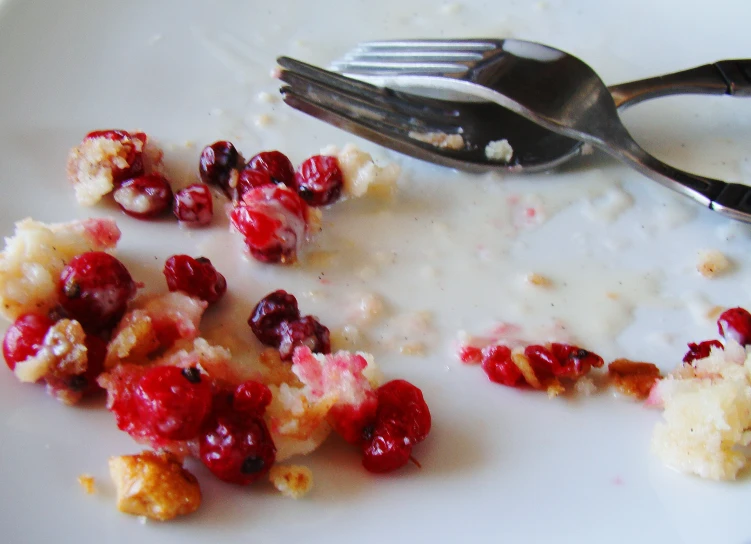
(263,120)
(266,98)
(361,175)
(439,139)
(633,378)
(499,151)
(539,280)
(87,483)
(292,480)
(712,263)
(585,386)
(154,485)
(415,349)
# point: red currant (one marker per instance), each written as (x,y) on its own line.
(573,361)
(251,397)
(193,205)
(24,338)
(276,165)
(144,197)
(500,368)
(319,180)
(217,163)
(250,179)
(700,350)
(270,312)
(195,277)
(306,331)
(94,290)
(735,324)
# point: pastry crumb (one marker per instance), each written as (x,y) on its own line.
(539,280)
(633,378)
(712,263)
(585,386)
(440,140)
(499,151)
(87,482)
(292,481)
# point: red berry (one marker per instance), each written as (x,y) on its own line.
(736,324)
(270,312)
(251,179)
(121,384)
(402,420)
(217,163)
(542,361)
(237,447)
(573,361)
(133,143)
(499,367)
(273,221)
(24,338)
(276,165)
(306,331)
(195,277)
(193,205)
(173,402)
(95,289)
(470,355)
(319,180)
(700,350)
(144,197)
(251,397)
(96,352)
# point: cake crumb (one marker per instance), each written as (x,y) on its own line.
(266,98)
(415,349)
(499,151)
(712,263)
(585,386)
(292,481)
(87,482)
(633,378)
(440,140)
(263,120)
(539,280)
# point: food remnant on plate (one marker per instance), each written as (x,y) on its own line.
(440,140)
(633,378)
(499,151)
(292,481)
(538,280)
(712,263)
(154,485)
(361,174)
(87,482)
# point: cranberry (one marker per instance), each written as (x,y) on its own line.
(217,163)
(306,331)
(700,350)
(402,420)
(319,180)
(24,338)
(736,324)
(251,397)
(273,221)
(144,197)
(572,361)
(173,402)
(236,447)
(133,144)
(196,277)
(270,312)
(121,383)
(193,205)
(500,368)
(95,289)
(470,355)
(250,179)
(276,165)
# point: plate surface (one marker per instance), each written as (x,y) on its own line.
(501,465)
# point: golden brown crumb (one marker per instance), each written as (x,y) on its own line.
(292,480)
(415,349)
(633,378)
(87,482)
(539,280)
(522,363)
(712,263)
(154,485)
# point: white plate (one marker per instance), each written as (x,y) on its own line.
(501,465)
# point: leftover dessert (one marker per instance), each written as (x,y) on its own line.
(499,151)
(292,481)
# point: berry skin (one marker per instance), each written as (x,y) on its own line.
(319,180)
(193,205)
(276,165)
(235,446)
(735,324)
(173,402)
(95,289)
(273,220)
(497,364)
(700,350)
(306,331)
(217,163)
(572,361)
(195,277)
(251,397)
(270,312)
(250,179)
(144,197)
(24,338)
(134,143)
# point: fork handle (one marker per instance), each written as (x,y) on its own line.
(731,77)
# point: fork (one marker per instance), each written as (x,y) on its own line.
(555,90)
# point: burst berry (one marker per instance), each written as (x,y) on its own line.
(276,165)
(273,220)
(319,180)
(217,163)
(144,197)
(133,144)
(500,368)
(735,324)
(236,447)
(251,397)
(95,289)
(572,361)
(24,338)
(195,277)
(250,179)
(173,402)
(402,420)
(306,331)
(270,312)
(700,350)
(193,205)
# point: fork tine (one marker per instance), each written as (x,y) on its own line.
(446,45)
(387,67)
